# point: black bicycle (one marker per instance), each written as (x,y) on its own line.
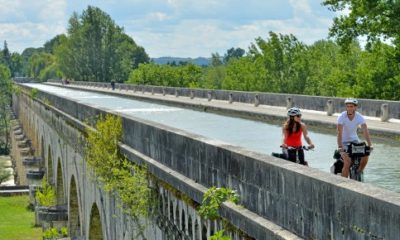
(293,154)
(356,151)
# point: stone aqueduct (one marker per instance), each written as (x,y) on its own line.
(92,212)
(279,200)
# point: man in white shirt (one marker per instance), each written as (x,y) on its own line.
(347,124)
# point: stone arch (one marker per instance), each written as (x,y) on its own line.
(50,171)
(171,211)
(204,231)
(36,129)
(73,211)
(183,221)
(41,149)
(197,232)
(190,227)
(60,184)
(177,215)
(95,229)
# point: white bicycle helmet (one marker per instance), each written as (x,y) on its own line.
(294,111)
(351,100)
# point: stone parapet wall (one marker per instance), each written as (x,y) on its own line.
(375,108)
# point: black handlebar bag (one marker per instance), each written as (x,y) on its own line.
(358,149)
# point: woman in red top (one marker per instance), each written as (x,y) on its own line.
(293,130)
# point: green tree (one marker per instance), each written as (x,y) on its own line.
(331,70)
(187,75)
(46,196)
(16,67)
(233,53)
(26,55)
(96,49)
(245,74)
(51,45)
(216,60)
(373,19)
(213,76)
(6,56)
(153,74)
(38,63)
(377,73)
(12,61)
(284,59)
(5,101)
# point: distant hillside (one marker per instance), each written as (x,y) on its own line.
(202,61)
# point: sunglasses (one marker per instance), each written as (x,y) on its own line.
(298,115)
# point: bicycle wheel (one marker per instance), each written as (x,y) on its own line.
(355,174)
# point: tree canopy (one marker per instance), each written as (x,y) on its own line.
(5,100)
(374,19)
(96,49)
(283,64)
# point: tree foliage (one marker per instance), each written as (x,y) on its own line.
(219,236)
(6,88)
(43,66)
(188,75)
(283,64)
(96,49)
(213,199)
(128,181)
(46,196)
(373,19)
(13,61)
(233,53)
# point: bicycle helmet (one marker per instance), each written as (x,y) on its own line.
(294,111)
(351,100)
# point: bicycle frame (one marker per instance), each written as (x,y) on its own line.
(354,173)
(354,166)
(285,155)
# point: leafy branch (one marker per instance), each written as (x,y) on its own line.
(46,196)
(129,181)
(213,199)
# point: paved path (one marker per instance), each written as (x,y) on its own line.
(261,112)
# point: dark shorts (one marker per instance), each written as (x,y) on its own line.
(294,154)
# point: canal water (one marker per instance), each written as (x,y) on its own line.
(383,168)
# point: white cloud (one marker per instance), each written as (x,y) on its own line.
(193,38)
(53,10)
(26,24)
(301,6)
(23,35)
(173,27)
(159,16)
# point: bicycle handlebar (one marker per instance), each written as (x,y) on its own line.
(307,148)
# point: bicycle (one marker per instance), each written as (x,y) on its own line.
(355,151)
(285,154)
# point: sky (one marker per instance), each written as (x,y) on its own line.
(178,28)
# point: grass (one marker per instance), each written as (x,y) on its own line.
(16,221)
